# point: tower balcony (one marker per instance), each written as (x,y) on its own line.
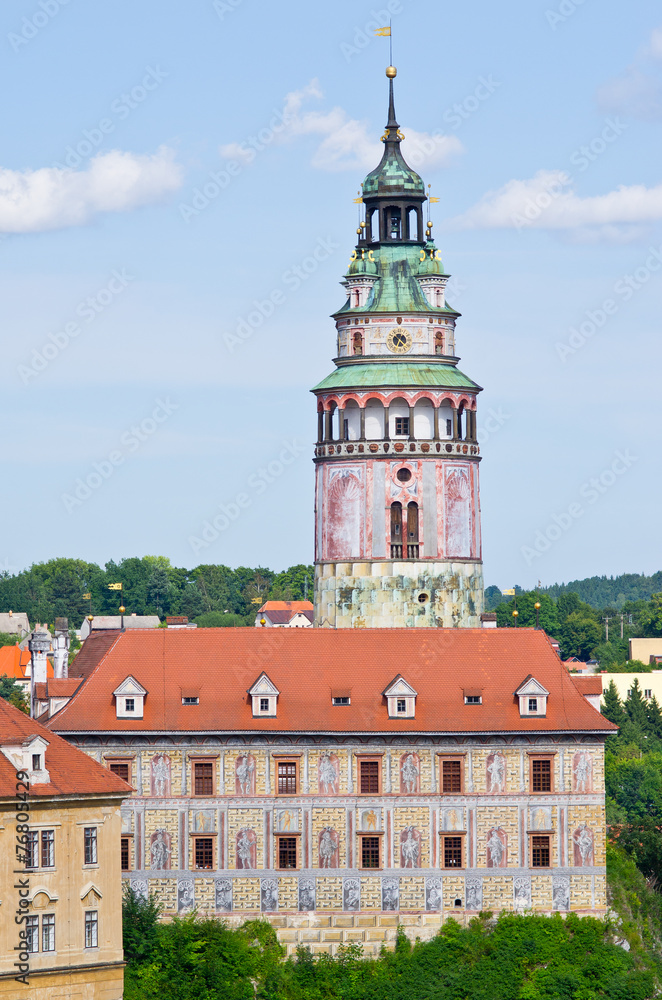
(408,448)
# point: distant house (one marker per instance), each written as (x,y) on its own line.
(14,623)
(285,614)
(102,623)
(16,663)
(646,650)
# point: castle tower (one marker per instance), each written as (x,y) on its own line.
(397,510)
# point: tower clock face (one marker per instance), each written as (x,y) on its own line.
(399,340)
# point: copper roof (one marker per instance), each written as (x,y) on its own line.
(306,665)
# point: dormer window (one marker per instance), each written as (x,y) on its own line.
(190,700)
(264,697)
(532,698)
(473,696)
(129,699)
(401,699)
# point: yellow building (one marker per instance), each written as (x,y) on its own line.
(650,684)
(60,881)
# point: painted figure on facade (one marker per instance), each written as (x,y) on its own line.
(244,772)
(474,889)
(561,893)
(161,776)
(328,774)
(269,894)
(369,817)
(409,773)
(496,848)
(351,894)
(160,850)
(307,894)
(433,897)
(224,895)
(390,894)
(496,773)
(328,848)
(410,848)
(582,772)
(583,841)
(246,849)
(185,895)
(522,893)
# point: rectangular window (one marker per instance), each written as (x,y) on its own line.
(121,769)
(369,777)
(204,852)
(287,852)
(32,932)
(264,704)
(648,692)
(402,425)
(47,848)
(36,762)
(452,852)
(32,849)
(92,929)
(190,701)
(90,845)
(540,852)
(341,701)
(401,705)
(203,778)
(472,699)
(541,774)
(370,852)
(129,704)
(287,777)
(451,777)
(449,428)
(48,932)
(533,704)
(125,854)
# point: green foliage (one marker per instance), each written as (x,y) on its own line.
(12,692)
(615,591)
(8,639)
(629,667)
(140,925)
(151,586)
(216,619)
(493,597)
(651,618)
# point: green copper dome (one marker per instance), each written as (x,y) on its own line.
(393,176)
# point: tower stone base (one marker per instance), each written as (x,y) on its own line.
(399,594)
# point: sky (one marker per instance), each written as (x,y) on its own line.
(176,214)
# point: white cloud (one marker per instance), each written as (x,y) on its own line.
(638,91)
(548,201)
(346,143)
(33,201)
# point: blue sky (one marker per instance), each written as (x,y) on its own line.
(213,152)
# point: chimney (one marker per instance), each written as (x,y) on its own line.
(39,645)
(488,620)
(61,648)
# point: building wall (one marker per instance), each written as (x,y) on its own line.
(647,682)
(330,899)
(67,890)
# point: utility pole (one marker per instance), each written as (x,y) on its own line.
(606,621)
(622,617)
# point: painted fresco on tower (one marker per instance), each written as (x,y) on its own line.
(328,774)
(495,767)
(160,850)
(160,776)
(410,848)
(410,774)
(246,849)
(497,848)
(328,843)
(344,504)
(582,840)
(457,490)
(582,772)
(244,775)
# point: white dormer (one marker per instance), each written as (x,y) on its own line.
(265,695)
(401,699)
(29,756)
(532,698)
(130,699)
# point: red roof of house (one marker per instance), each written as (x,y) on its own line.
(307,664)
(13,662)
(71,771)
(588,684)
(57,687)
(93,649)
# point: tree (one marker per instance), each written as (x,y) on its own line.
(579,634)
(651,618)
(612,708)
(493,597)
(140,918)
(636,708)
(13,692)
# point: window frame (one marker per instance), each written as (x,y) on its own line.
(91,857)
(369,759)
(452,835)
(112,762)
(126,840)
(297,852)
(199,840)
(265,704)
(454,758)
(32,934)
(47,848)
(533,846)
(363,837)
(287,762)
(32,849)
(211,762)
(91,924)
(549,757)
(50,926)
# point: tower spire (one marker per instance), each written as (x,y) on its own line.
(392,127)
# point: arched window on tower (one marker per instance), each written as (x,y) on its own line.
(357,342)
(412,530)
(439,295)
(412,224)
(393,223)
(438,342)
(356,295)
(396,530)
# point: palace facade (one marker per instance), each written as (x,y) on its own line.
(342,783)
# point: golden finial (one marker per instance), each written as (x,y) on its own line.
(391,72)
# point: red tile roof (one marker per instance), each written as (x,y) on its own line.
(57,687)
(588,684)
(93,650)
(13,661)
(71,771)
(307,664)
